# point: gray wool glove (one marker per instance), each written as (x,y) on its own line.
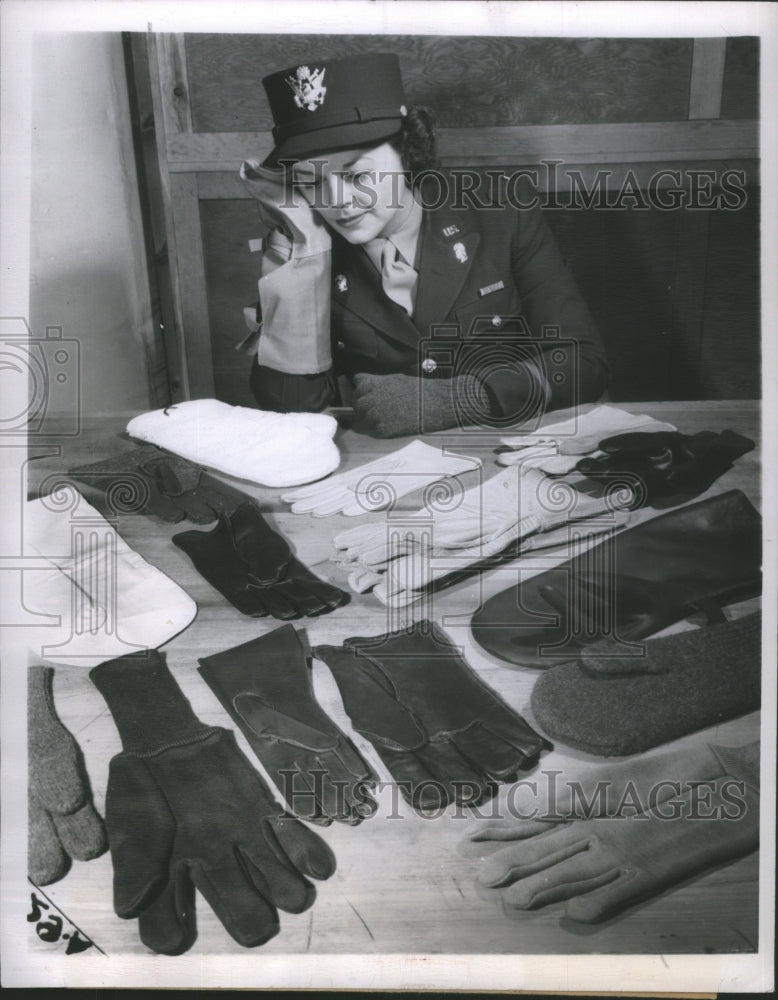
(62,822)
(395,405)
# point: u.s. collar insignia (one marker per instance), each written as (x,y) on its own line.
(308,87)
(340,283)
(459,252)
(450,230)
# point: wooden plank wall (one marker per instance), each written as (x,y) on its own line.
(676,293)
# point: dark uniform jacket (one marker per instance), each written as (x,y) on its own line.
(494,299)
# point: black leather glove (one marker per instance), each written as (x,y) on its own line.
(265,686)
(442,733)
(394,405)
(147,480)
(667,467)
(185,809)
(253,567)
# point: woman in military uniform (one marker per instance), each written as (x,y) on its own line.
(448,306)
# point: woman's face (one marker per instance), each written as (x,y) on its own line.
(361,194)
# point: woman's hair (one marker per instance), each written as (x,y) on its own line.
(415,142)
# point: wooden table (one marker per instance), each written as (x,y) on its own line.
(402,884)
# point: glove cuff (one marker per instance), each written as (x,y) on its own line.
(147,705)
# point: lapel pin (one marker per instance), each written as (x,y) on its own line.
(340,283)
(460,253)
(450,230)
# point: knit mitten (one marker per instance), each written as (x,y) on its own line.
(62,822)
(612,703)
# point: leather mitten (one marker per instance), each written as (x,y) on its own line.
(612,704)
(442,733)
(700,812)
(253,567)
(62,821)
(185,809)
(265,686)
(668,467)
(632,585)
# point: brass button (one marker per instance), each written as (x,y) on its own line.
(340,345)
(429,365)
(497,321)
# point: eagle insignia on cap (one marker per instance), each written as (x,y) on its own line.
(308,87)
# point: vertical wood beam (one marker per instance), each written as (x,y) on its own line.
(707,78)
(172,116)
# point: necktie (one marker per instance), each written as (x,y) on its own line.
(398,278)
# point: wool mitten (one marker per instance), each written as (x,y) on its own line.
(378,484)
(635,584)
(394,405)
(253,567)
(62,821)
(612,703)
(701,809)
(442,733)
(185,810)
(667,468)
(146,480)
(265,686)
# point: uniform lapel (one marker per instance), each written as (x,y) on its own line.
(357,288)
(447,253)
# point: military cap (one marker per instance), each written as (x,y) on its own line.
(330,104)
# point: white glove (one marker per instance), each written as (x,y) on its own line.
(106,600)
(261,446)
(378,484)
(556,448)
(400,559)
(295,274)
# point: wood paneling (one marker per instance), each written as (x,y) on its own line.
(477,81)
(740,88)
(598,144)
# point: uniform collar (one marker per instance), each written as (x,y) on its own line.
(405,239)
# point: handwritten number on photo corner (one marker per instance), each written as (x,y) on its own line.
(48,927)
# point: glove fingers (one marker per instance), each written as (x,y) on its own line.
(564,881)
(246,915)
(528,857)
(168,925)
(507,829)
(308,602)
(141,830)
(82,833)
(458,777)
(499,759)
(196,509)
(278,604)
(418,786)
(46,860)
(612,896)
(293,842)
